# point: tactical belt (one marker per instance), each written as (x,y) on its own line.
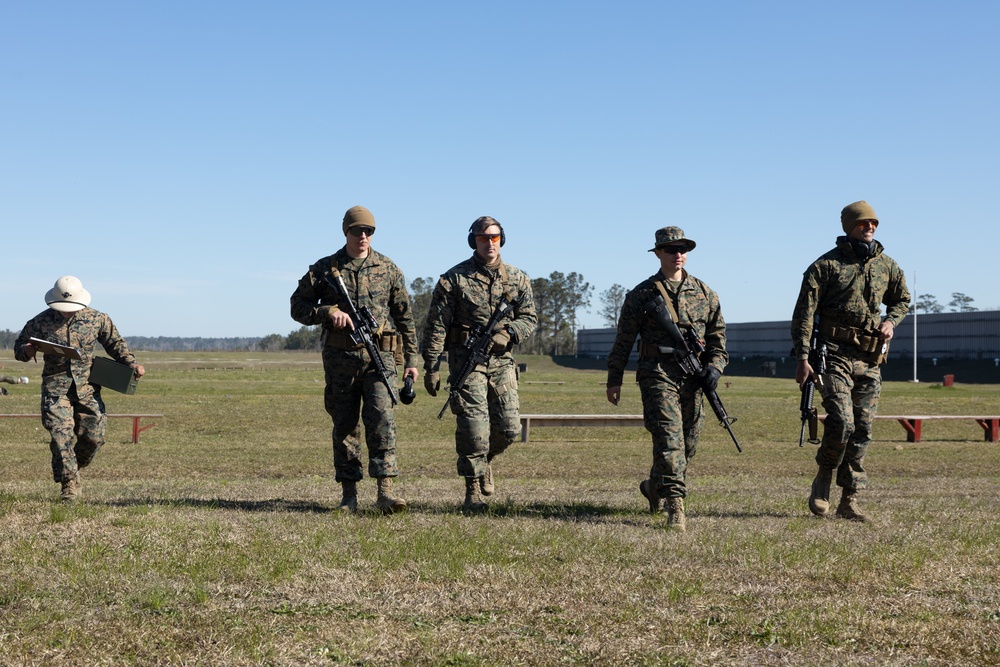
(863,341)
(652,351)
(387,341)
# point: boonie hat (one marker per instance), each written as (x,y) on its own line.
(358,216)
(671,235)
(67,295)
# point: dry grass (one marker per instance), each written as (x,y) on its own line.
(214,541)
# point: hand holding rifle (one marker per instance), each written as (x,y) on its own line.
(687,351)
(810,375)
(480,342)
(362,332)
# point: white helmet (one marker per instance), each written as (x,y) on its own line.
(67,295)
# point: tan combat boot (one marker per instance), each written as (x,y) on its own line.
(486,481)
(848,507)
(349,501)
(675,514)
(386,502)
(647,489)
(473,500)
(819,496)
(72,489)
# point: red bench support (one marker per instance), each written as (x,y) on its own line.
(913,425)
(136,428)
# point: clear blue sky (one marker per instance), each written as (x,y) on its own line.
(189,160)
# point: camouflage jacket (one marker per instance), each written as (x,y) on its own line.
(843,289)
(379,284)
(697,308)
(466,296)
(82,331)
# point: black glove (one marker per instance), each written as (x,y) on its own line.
(710,377)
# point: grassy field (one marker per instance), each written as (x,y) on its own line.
(214,541)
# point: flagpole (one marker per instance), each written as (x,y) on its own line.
(915,327)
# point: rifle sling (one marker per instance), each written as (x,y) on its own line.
(668,300)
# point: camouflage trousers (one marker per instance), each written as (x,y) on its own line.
(850,397)
(487,419)
(77,424)
(671,411)
(355,395)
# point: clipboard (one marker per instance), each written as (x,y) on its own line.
(48,347)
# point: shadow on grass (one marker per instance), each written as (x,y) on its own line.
(575,512)
(569,512)
(271,505)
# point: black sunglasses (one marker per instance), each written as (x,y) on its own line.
(358,231)
(674,249)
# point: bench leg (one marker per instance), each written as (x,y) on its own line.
(136,430)
(525,427)
(913,428)
(991,428)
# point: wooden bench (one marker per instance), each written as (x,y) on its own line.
(527,421)
(913,424)
(136,428)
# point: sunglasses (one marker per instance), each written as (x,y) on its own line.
(674,249)
(492,238)
(358,231)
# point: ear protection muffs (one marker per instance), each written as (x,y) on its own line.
(477,223)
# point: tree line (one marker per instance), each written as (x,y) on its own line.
(558,300)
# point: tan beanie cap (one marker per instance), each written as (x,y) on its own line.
(358,216)
(855,213)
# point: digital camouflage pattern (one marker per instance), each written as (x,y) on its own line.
(843,289)
(846,290)
(72,408)
(671,402)
(487,408)
(354,394)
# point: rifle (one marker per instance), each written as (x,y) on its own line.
(817,359)
(478,344)
(687,351)
(364,326)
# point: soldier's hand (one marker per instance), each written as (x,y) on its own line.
(501,342)
(710,377)
(803,371)
(614,394)
(432,382)
(886,330)
(341,320)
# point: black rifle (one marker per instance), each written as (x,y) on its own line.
(817,359)
(478,344)
(365,327)
(687,351)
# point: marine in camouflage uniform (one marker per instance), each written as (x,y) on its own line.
(72,409)
(10,379)
(486,409)
(671,399)
(353,384)
(843,293)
